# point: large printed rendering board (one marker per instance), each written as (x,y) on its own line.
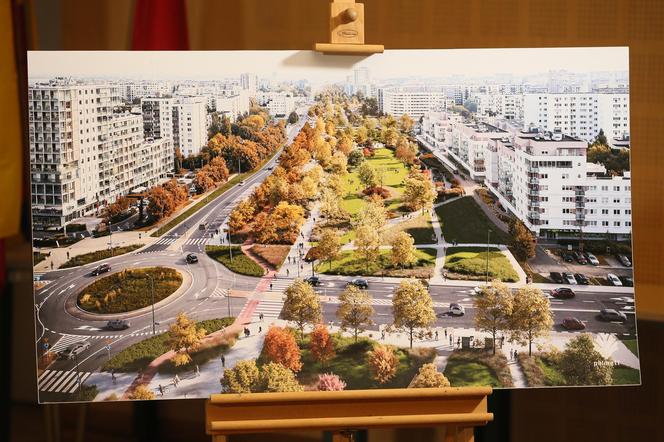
(280,221)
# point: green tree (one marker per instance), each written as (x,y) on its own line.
(601,138)
(494,306)
(531,316)
(302,305)
(367,174)
(521,240)
(403,250)
(428,376)
(581,364)
(355,158)
(367,241)
(293,118)
(243,378)
(275,378)
(412,307)
(328,246)
(355,310)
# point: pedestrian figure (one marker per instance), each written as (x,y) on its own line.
(198,371)
(446,333)
(287,272)
(51,265)
(139,235)
(67,254)
(382,335)
(515,354)
(301,266)
(260,315)
(260,329)
(450,339)
(113,376)
(161,390)
(270,286)
(502,341)
(458,342)
(223,361)
(289,260)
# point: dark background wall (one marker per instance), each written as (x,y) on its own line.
(607,414)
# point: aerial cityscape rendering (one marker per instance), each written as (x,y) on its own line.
(235,222)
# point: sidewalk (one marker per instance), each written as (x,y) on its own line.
(293,266)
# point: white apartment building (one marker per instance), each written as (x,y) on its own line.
(437,126)
(467,144)
(502,106)
(232,104)
(580,115)
(249,82)
(544,180)
(182,119)
(278,104)
(135,90)
(81,152)
(412,100)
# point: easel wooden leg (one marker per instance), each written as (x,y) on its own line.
(342,436)
(455,433)
(52,418)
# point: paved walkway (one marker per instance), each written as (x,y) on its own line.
(518,378)
(294,265)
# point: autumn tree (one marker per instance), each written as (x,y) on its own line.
(531,316)
(367,242)
(184,337)
(275,378)
(203,181)
(521,240)
(345,145)
(241,216)
(374,215)
(428,376)
(412,307)
(383,363)
(419,192)
(142,393)
(406,123)
(367,174)
(218,170)
(330,382)
(161,202)
(302,305)
(581,364)
(403,250)
(406,151)
(494,306)
(329,246)
(243,378)
(280,346)
(322,345)
(390,136)
(178,192)
(338,164)
(355,310)
(117,208)
(329,203)
(288,218)
(178,160)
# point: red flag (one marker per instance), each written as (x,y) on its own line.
(160,25)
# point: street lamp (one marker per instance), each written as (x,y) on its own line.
(78,374)
(488,236)
(152,295)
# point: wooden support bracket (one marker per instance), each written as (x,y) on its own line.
(347,30)
(457,409)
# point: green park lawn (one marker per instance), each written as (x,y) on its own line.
(137,356)
(393,173)
(464,221)
(350,363)
(625,375)
(235,260)
(420,228)
(129,289)
(470,263)
(477,367)
(632,345)
(352,264)
(98,255)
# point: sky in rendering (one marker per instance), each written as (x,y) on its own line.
(292,65)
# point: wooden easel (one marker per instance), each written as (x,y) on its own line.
(459,410)
(347,30)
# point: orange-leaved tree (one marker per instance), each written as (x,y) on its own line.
(281,347)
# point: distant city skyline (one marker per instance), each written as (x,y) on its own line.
(319,69)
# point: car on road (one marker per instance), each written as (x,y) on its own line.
(359,282)
(456,309)
(580,258)
(563,293)
(573,324)
(609,314)
(556,277)
(569,278)
(313,280)
(270,168)
(191,258)
(73,350)
(592,259)
(627,281)
(582,279)
(568,257)
(624,260)
(613,280)
(118,324)
(103,268)
(241,183)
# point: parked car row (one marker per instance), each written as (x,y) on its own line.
(581,258)
(581,279)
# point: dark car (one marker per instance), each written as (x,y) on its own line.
(563,293)
(582,279)
(580,258)
(567,257)
(359,282)
(118,324)
(609,314)
(556,277)
(573,324)
(73,350)
(103,268)
(627,281)
(624,260)
(191,258)
(313,280)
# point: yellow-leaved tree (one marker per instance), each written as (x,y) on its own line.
(184,338)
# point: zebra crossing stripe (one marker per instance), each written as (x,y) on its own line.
(66,340)
(58,381)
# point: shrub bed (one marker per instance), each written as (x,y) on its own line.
(98,255)
(240,263)
(129,290)
(478,367)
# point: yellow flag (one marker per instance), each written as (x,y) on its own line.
(10,141)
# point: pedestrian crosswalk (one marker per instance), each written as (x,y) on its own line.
(67,340)
(196,241)
(166,240)
(61,381)
(279,285)
(268,308)
(219,293)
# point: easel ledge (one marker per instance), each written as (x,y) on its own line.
(458,409)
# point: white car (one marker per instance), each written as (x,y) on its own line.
(613,279)
(477,291)
(569,278)
(456,309)
(592,259)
